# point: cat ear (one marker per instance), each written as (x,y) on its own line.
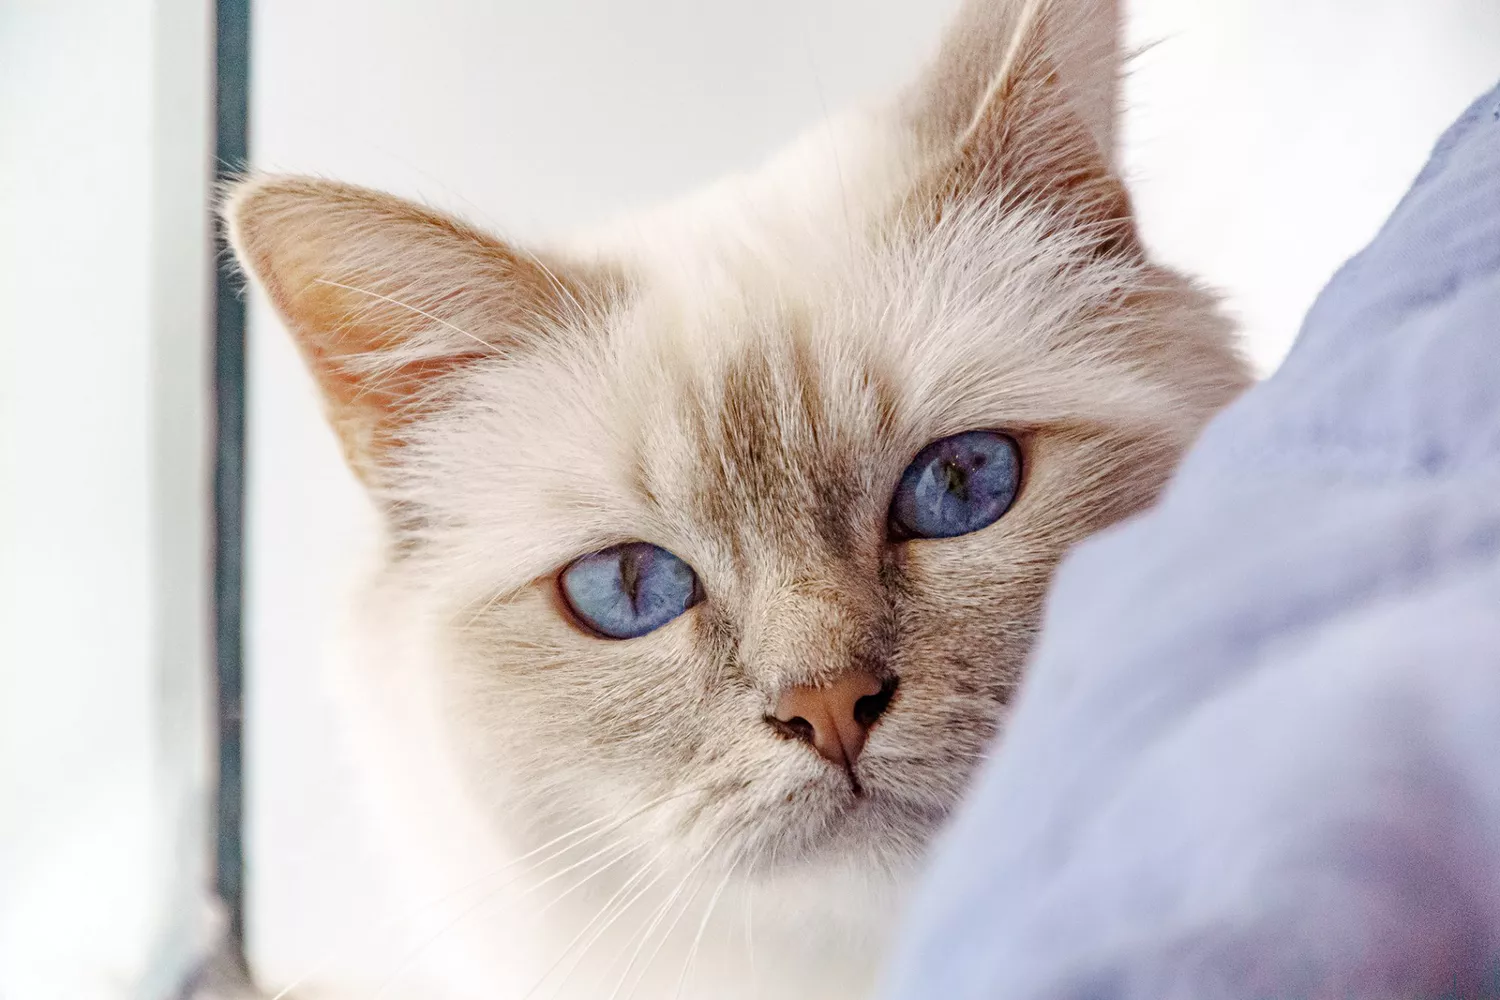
(1019,107)
(384,298)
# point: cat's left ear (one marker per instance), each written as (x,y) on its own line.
(1020,108)
(385,298)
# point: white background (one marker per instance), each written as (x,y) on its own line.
(1267,140)
(105,267)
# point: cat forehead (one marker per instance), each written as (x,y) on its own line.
(754,458)
(776,446)
(761,423)
(748,378)
(767,405)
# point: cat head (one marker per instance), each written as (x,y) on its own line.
(733,524)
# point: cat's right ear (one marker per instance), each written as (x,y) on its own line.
(385,298)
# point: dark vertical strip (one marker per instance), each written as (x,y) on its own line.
(232,72)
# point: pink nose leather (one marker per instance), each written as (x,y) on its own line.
(828,717)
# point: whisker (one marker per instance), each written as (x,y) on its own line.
(661,914)
(420,312)
(750,924)
(624,908)
(713,901)
(608,904)
(322,964)
(645,935)
(611,824)
(578,864)
(750,940)
(661,942)
(579,312)
(416,953)
(583,881)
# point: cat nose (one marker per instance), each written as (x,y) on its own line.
(836,718)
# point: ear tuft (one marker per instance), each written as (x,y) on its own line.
(1019,109)
(384,298)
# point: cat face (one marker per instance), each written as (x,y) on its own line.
(732,527)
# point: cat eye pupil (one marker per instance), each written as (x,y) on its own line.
(957,485)
(626,591)
(630,576)
(957,481)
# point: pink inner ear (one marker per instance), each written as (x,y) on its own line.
(370,412)
(384,298)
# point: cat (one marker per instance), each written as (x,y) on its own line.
(716,540)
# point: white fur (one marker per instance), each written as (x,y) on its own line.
(495,761)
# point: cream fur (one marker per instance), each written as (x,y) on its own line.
(739,377)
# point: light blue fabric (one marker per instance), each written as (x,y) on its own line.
(1258,753)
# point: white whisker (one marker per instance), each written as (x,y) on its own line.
(624,908)
(416,953)
(687,904)
(420,312)
(708,913)
(608,904)
(529,860)
(661,914)
(644,934)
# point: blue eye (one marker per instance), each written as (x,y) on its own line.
(628,590)
(957,485)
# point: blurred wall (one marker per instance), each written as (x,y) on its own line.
(105,263)
(1267,139)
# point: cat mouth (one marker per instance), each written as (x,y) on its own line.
(858,815)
